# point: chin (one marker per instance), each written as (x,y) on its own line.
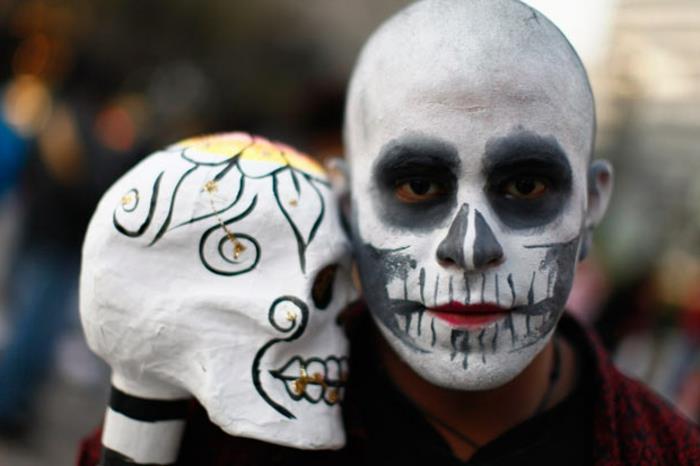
(440,367)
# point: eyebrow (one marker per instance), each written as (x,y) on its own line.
(524,148)
(412,151)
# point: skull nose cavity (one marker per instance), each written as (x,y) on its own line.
(450,251)
(487,249)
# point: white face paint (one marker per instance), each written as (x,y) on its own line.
(469,128)
(217,268)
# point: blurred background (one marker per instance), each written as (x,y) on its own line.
(87,88)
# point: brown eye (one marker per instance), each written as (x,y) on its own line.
(526,187)
(418,190)
(322,291)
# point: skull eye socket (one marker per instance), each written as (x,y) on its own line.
(322,291)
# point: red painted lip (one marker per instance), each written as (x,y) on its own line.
(468,315)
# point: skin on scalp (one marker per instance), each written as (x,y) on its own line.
(467,74)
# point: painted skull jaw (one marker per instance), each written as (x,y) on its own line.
(469,124)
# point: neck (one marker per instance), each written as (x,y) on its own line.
(483,415)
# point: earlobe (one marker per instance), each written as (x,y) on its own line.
(600,186)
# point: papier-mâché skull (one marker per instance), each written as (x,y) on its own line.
(469,131)
(217,268)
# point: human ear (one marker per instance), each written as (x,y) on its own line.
(600,186)
(339,175)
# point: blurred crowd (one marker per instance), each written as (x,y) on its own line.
(88,88)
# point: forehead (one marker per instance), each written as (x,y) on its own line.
(469,81)
(473,112)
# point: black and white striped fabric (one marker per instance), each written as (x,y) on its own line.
(140,431)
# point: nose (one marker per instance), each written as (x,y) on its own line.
(454,249)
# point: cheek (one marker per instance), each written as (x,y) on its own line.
(370,227)
(544,258)
(522,244)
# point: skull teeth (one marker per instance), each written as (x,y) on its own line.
(314,379)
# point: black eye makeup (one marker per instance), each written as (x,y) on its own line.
(416,177)
(528,177)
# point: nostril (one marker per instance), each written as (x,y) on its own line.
(490,258)
(495,261)
(446,261)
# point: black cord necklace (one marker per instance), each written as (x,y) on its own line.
(554,374)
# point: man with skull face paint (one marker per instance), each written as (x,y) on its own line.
(479,197)
(469,131)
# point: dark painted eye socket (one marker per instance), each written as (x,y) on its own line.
(322,290)
(526,188)
(415,177)
(416,190)
(529,179)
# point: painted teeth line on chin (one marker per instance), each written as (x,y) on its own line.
(517,331)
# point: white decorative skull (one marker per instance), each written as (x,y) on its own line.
(469,129)
(217,268)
